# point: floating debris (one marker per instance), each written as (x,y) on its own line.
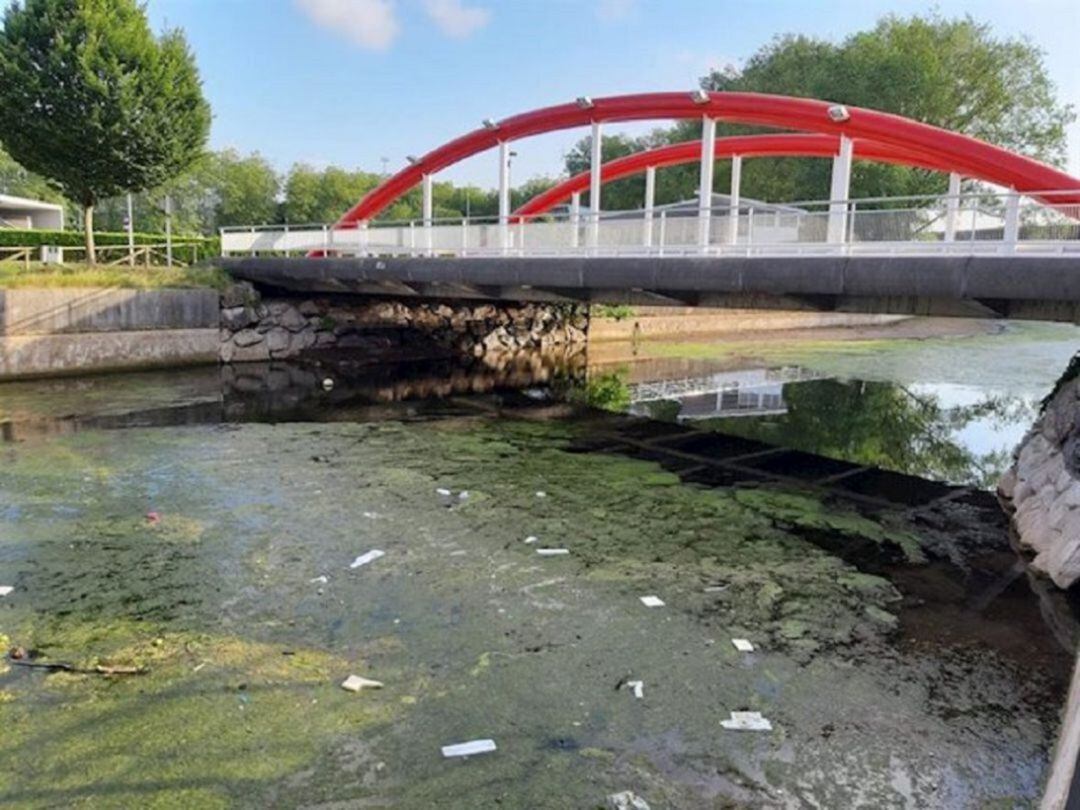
(459,553)
(463,495)
(637,687)
(747,721)
(716,588)
(652,601)
(532,539)
(153,518)
(626,800)
(370,515)
(327,384)
(6,589)
(541,494)
(364,559)
(467,749)
(552,552)
(444,492)
(742,645)
(354,683)
(321,580)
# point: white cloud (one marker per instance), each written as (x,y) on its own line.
(371,24)
(455,19)
(613,10)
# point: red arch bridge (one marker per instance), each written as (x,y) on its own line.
(1007,244)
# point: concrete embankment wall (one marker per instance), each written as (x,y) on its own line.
(76,330)
(673,322)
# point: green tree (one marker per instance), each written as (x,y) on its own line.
(313,196)
(244,189)
(953,73)
(92,100)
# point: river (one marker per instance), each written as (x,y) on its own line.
(202,527)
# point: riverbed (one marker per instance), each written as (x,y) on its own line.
(201,527)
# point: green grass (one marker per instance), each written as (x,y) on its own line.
(15,275)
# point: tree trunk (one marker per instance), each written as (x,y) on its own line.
(88,229)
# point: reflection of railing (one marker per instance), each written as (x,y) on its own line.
(713,383)
(965,224)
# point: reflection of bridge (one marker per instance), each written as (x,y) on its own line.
(994,248)
(747,392)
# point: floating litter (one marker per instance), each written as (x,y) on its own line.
(459,553)
(364,559)
(327,384)
(153,518)
(354,683)
(467,749)
(638,688)
(6,589)
(552,552)
(716,588)
(463,495)
(323,579)
(652,601)
(531,539)
(747,721)
(626,800)
(370,515)
(742,645)
(541,494)
(444,492)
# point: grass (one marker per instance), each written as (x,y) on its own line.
(15,274)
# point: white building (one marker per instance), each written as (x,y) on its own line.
(18,212)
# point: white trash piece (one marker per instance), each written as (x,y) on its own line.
(638,688)
(626,800)
(321,580)
(6,589)
(541,494)
(652,601)
(467,749)
(742,645)
(444,492)
(364,559)
(327,384)
(552,552)
(747,721)
(370,515)
(463,495)
(354,683)
(531,539)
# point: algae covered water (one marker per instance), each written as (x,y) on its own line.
(201,529)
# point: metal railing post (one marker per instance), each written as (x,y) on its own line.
(749,226)
(412,238)
(1012,219)
(663,230)
(464,236)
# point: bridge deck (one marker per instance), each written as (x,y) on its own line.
(1030,287)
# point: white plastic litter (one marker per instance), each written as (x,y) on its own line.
(541,494)
(370,515)
(6,589)
(467,749)
(443,491)
(742,645)
(747,721)
(327,384)
(354,683)
(716,588)
(364,559)
(463,495)
(652,601)
(626,800)
(638,688)
(531,539)
(552,552)
(322,580)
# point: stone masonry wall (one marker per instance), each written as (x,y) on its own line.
(1042,489)
(254,328)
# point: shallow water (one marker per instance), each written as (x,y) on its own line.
(179,522)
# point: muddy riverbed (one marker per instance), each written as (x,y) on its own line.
(182,524)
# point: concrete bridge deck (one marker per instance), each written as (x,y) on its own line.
(1026,287)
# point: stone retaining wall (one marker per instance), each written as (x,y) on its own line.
(1042,489)
(254,328)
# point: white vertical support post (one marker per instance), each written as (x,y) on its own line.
(575,219)
(650,204)
(736,199)
(708,164)
(130,232)
(168,231)
(426,212)
(952,207)
(504,196)
(362,237)
(1012,219)
(595,162)
(412,238)
(663,229)
(464,236)
(325,241)
(285,239)
(839,192)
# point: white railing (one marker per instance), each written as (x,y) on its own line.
(967,223)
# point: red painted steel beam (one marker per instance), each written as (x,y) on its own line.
(772,145)
(959,153)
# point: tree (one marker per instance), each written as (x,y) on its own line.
(92,100)
(953,73)
(244,189)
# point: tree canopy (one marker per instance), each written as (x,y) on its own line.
(94,102)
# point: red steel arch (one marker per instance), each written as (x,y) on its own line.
(959,153)
(774,145)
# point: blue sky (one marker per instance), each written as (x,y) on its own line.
(351,82)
